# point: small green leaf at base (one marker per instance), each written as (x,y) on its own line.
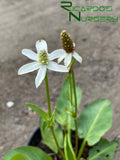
(38,110)
(104,150)
(27,153)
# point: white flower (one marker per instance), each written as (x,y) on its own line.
(68,57)
(42,61)
(69,49)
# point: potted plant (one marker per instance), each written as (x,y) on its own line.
(64,134)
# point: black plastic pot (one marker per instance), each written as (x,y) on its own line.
(35,138)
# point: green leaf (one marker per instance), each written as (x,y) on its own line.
(20,156)
(38,110)
(71,113)
(48,137)
(63,104)
(104,150)
(69,153)
(28,153)
(94,121)
(52,118)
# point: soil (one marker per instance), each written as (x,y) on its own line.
(57,156)
(22,23)
(36,140)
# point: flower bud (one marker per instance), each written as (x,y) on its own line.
(67,42)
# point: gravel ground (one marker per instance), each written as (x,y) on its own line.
(24,22)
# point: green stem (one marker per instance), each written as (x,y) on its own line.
(74,89)
(81,149)
(76,137)
(76,126)
(71,64)
(50,114)
(71,102)
(60,151)
(71,98)
(48,96)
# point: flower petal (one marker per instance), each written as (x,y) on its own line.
(40,75)
(61,58)
(68,59)
(30,54)
(30,67)
(56,67)
(57,53)
(40,45)
(77,57)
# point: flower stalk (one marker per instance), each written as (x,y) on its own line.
(60,151)
(81,149)
(48,96)
(50,114)
(72,80)
(69,47)
(75,120)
